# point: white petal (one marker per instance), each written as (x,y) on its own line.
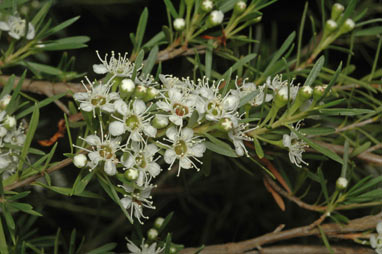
(108,107)
(149,130)
(154,169)
(169,156)
(239,150)
(164,106)
(31,31)
(81,96)
(126,203)
(121,107)
(175,95)
(139,107)
(379,228)
(14,35)
(187,133)
(140,178)
(185,163)
(86,106)
(177,120)
(94,157)
(4,26)
(373,241)
(198,150)
(172,133)
(130,162)
(110,168)
(150,150)
(4,162)
(116,128)
(93,140)
(113,96)
(286,140)
(99,69)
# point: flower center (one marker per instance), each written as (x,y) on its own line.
(214,108)
(106,152)
(98,100)
(132,122)
(140,161)
(19,27)
(180,110)
(180,148)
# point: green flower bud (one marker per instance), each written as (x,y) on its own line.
(140,91)
(173,250)
(239,7)
(131,174)
(127,88)
(159,122)
(5,101)
(347,26)
(318,91)
(207,5)
(9,122)
(152,93)
(330,26)
(215,18)
(341,183)
(281,98)
(179,24)
(158,222)
(305,93)
(152,234)
(337,10)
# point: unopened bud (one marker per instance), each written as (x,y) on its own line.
(225,124)
(281,98)
(152,93)
(318,91)
(179,24)
(305,93)
(207,5)
(173,250)
(80,160)
(131,174)
(140,91)
(152,234)
(158,222)
(9,122)
(239,7)
(216,18)
(347,26)
(127,87)
(5,101)
(159,122)
(342,183)
(337,10)
(330,26)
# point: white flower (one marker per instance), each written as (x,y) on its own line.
(184,147)
(97,97)
(121,67)
(136,199)
(143,160)
(207,5)
(15,136)
(179,104)
(216,17)
(16,28)
(259,98)
(376,240)
(276,84)
(296,147)
(135,120)
(102,150)
(144,248)
(179,24)
(5,101)
(9,122)
(238,136)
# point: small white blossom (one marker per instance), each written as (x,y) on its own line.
(16,28)
(216,17)
(97,97)
(207,5)
(238,136)
(119,67)
(296,147)
(143,160)
(276,84)
(144,248)
(259,98)
(135,120)
(136,199)
(376,239)
(179,24)
(185,147)
(127,85)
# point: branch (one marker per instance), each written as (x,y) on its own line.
(330,229)
(312,249)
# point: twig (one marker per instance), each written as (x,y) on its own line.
(312,249)
(33,178)
(330,229)
(356,125)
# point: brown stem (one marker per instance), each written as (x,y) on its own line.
(330,229)
(312,249)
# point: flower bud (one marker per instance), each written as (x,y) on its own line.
(337,10)
(305,93)
(207,5)
(80,160)
(216,18)
(127,87)
(131,174)
(116,128)
(239,7)
(158,222)
(281,98)
(347,26)
(152,93)
(179,24)
(152,234)
(225,124)
(342,183)
(318,91)
(330,26)
(159,122)
(173,250)
(5,101)
(9,122)
(140,92)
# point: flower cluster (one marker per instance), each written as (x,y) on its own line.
(376,240)
(140,120)
(18,27)
(11,139)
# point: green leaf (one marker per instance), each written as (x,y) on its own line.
(318,148)
(279,53)
(80,186)
(150,61)
(104,249)
(43,68)
(141,28)
(364,184)
(258,149)
(155,41)
(227,79)
(8,217)
(18,195)
(28,139)
(61,26)
(226,5)
(41,13)
(11,107)
(74,42)
(206,166)
(40,105)
(332,82)
(372,31)
(165,222)
(208,58)
(72,242)
(345,111)
(138,63)
(219,146)
(8,86)
(318,131)
(170,7)
(325,240)
(3,241)
(10,3)
(315,71)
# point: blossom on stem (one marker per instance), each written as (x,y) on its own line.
(184,147)
(144,248)
(238,136)
(119,67)
(376,240)
(296,147)
(17,28)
